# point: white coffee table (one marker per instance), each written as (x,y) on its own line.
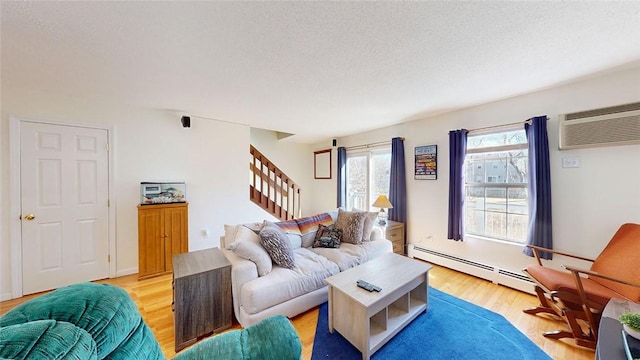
(369,319)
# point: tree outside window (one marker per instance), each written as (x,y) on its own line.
(496,202)
(368,176)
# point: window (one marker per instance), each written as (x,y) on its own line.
(368,176)
(496,197)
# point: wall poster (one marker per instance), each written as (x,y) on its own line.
(426,162)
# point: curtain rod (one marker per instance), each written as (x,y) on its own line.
(528,121)
(366,146)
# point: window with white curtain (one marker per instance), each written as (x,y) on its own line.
(368,176)
(496,196)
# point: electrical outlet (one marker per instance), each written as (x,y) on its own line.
(570,162)
(204,233)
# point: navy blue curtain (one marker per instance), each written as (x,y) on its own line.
(457,152)
(539,187)
(398,182)
(342,177)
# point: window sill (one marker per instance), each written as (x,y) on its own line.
(483,238)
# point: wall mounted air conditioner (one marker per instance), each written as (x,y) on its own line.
(616,125)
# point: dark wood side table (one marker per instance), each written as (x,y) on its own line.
(201,294)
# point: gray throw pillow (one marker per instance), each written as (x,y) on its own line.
(352,225)
(277,244)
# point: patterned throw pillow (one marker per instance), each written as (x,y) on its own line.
(352,224)
(327,237)
(277,244)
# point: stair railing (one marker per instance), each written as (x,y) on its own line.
(271,189)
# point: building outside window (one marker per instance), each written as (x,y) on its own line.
(496,176)
(368,176)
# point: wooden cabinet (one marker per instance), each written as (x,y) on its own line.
(202,301)
(162,232)
(394,232)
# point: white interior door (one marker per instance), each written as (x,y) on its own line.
(64,186)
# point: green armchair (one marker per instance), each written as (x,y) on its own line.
(101,321)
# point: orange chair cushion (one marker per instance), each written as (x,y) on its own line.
(555,280)
(621,260)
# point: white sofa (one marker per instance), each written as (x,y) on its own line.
(293,291)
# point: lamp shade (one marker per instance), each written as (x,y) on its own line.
(382,202)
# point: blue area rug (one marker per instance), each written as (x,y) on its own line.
(450,329)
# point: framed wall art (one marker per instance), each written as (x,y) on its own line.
(322,164)
(426,162)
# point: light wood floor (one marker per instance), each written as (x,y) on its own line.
(153,297)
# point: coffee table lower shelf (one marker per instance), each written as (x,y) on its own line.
(387,323)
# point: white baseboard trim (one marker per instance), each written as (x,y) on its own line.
(125,272)
(5,296)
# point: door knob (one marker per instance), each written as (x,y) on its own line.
(29,217)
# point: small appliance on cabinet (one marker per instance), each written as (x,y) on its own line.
(162,192)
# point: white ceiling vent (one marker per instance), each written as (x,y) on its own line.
(616,125)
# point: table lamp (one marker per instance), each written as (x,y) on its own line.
(382,202)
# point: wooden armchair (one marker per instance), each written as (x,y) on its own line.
(578,296)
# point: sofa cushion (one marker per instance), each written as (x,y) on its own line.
(246,244)
(327,237)
(277,244)
(343,257)
(375,249)
(350,255)
(352,225)
(283,284)
(309,226)
(46,339)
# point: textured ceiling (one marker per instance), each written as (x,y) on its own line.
(314,69)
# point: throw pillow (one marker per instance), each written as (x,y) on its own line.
(290,228)
(327,237)
(277,244)
(246,244)
(369,222)
(352,225)
(309,227)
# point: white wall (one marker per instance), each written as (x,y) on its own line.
(589,203)
(149,145)
(323,196)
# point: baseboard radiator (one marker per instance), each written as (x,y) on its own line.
(488,272)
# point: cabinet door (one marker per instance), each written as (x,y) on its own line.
(151,248)
(176,229)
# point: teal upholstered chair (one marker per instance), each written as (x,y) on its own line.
(272,338)
(100,321)
(91,321)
